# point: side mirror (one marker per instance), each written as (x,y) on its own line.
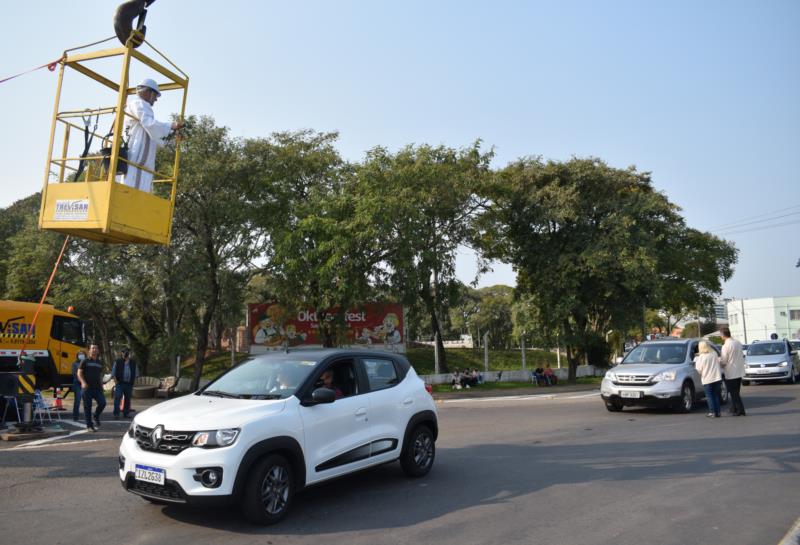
(319,396)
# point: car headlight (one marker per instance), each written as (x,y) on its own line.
(665,376)
(611,375)
(783,364)
(215,438)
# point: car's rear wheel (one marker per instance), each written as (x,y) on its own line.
(419,452)
(269,492)
(687,398)
(614,406)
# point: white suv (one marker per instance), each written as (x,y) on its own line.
(272,426)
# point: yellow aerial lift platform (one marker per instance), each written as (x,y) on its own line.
(81,195)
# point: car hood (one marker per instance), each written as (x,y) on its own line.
(644,368)
(197,412)
(768,358)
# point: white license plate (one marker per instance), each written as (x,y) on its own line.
(762,371)
(634,395)
(148,474)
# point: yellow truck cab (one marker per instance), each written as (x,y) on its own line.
(54,341)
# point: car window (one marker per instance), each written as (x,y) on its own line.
(344,378)
(767,349)
(657,353)
(380,373)
(264,378)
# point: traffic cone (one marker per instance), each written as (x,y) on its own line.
(59,405)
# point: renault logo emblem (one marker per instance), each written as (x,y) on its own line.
(158,433)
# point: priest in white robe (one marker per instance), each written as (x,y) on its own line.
(144,134)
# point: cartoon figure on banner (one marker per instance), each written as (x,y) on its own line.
(293,338)
(386,333)
(267,333)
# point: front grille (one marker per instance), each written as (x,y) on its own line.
(171,490)
(760,365)
(631,379)
(765,375)
(172,442)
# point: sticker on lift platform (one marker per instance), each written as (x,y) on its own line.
(72,210)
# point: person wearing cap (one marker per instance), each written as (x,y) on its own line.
(145,134)
(124,373)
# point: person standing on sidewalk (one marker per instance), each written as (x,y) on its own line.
(76,386)
(124,373)
(90,374)
(732,361)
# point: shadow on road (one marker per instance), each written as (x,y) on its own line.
(489,474)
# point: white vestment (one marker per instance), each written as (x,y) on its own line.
(144,134)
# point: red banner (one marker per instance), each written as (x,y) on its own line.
(374,324)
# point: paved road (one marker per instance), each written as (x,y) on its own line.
(554,470)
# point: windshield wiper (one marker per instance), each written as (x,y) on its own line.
(218,393)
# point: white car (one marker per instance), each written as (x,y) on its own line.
(271,426)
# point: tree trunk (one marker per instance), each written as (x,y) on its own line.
(573,365)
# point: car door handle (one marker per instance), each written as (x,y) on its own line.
(408,401)
(361,412)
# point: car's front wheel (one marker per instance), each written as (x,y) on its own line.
(269,491)
(419,452)
(687,398)
(614,406)
(792,378)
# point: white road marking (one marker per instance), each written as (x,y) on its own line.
(48,440)
(31,447)
(520,398)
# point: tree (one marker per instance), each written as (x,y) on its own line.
(417,207)
(590,244)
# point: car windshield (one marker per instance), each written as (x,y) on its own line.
(657,353)
(268,377)
(766,349)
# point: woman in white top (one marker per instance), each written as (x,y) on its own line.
(707,364)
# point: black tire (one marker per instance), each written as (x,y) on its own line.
(792,379)
(745,383)
(614,406)
(686,404)
(269,491)
(419,452)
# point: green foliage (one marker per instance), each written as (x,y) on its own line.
(591,245)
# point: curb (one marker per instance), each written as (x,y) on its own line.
(792,537)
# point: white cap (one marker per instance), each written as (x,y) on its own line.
(149,84)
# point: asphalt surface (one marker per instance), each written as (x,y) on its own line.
(553,468)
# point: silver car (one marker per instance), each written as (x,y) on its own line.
(657,373)
(768,361)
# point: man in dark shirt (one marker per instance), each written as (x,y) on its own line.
(124,372)
(90,373)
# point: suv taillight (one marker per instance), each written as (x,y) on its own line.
(429,388)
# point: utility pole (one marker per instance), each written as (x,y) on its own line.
(436,353)
(744,324)
(522,347)
(486,352)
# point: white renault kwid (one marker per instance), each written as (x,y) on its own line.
(278,423)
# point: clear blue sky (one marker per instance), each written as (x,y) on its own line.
(705,95)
